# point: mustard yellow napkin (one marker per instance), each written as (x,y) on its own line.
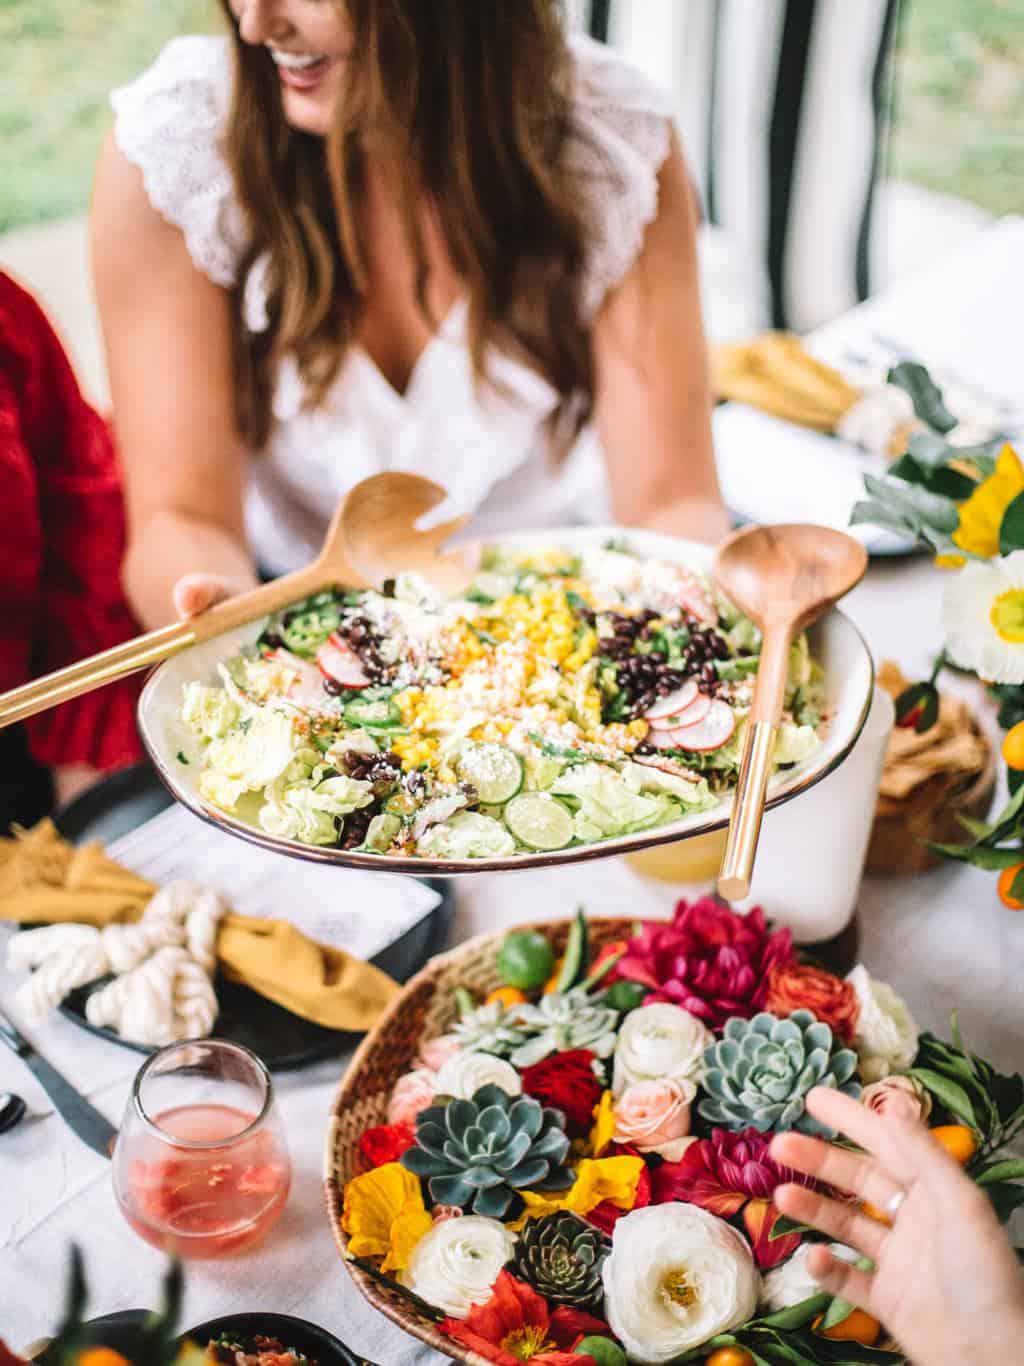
(775,373)
(44,878)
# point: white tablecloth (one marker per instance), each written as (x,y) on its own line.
(943,938)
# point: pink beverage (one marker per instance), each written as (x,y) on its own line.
(204,1178)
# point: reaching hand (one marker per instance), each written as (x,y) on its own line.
(194,593)
(946,1283)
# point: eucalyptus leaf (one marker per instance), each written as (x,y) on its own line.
(935,478)
(1011,528)
(929,509)
(925,394)
(929,448)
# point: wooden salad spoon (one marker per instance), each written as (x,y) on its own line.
(783,578)
(394,534)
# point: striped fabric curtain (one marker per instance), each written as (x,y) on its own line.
(782,106)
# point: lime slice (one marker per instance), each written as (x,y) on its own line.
(539,821)
(494,771)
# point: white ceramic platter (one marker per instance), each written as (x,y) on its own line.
(835,643)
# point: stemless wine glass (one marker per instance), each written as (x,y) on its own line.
(201,1166)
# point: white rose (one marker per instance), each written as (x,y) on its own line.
(455,1264)
(676,1276)
(661,1042)
(887,1037)
(791,1283)
(464,1073)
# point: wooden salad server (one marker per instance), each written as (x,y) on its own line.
(783,578)
(379,545)
(379,527)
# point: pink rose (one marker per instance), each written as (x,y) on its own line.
(436,1052)
(900,1098)
(654,1116)
(442,1213)
(412,1093)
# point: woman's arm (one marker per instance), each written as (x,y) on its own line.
(653,403)
(169,349)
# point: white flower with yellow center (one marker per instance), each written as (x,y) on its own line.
(676,1276)
(983,619)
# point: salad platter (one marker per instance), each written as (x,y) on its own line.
(586,695)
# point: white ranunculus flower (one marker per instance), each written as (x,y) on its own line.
(464,1073)
(791,1283)
(660,1042)
(983,618)
(455,1264)
(886,1037)
(676,1276)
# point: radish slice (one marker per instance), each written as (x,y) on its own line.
(665,765)
(674,703)
(711,733)
(307,687)
(689,716)
(341,664)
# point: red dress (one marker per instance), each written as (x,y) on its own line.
(62,540)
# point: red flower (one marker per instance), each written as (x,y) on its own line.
(727,1173)
(707,959)
(605,1215)
(791,986)
(515,1325)
(386,1143)
(566,1081)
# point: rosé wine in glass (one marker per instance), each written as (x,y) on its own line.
(201,1167)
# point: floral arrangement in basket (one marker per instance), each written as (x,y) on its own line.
(964,500)
(576,1172)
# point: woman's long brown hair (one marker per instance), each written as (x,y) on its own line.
(475,97)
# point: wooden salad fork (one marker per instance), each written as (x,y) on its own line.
(378,515)
(783,578)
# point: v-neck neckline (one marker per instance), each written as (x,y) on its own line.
(402,397)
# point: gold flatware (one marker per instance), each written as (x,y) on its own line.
(393,503)
(783,578)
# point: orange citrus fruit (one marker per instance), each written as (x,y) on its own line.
(959,1141)
(730,1356)
(102,1356)
(508,996)
(857,1327)
(1013,746)
(1006,878)
(552,983)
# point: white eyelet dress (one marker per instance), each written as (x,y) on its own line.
(488,445)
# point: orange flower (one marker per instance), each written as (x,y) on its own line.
(515,1325)
(792,986)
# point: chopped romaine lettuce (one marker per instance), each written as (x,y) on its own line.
(210,712)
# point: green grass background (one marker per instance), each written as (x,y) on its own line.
(959,94)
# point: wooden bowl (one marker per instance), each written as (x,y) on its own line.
(425,1009)
(904,829)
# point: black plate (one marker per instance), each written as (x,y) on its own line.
(319,1345)
(120,1332)
(124,801)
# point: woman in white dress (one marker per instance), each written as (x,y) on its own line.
(361,235)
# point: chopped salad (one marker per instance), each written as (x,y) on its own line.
(566,698)
(228,1350)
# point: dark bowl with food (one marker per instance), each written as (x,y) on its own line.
(310,1343)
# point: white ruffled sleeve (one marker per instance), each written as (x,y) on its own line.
(170,123)
(623,134)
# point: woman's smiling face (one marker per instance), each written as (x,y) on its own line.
(309,42)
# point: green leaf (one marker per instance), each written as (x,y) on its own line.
(917,707)
(927,509)
(952,1096)
(784,1225)
(935,478)
(1012,1169)
(797,1314)
(924,393)
(1011,528)
(929,448)
(980,855)
(1007,823)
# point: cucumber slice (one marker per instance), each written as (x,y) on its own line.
(539,821)
(576,958)
(494,771)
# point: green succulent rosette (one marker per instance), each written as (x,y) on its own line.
(477,1153)
(562,1258)
(759,1073)
(561,1021)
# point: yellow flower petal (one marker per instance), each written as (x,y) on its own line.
(412,1223)
(982,514)
(949,562)
(374,1203)
(607,1178)
(604,1123)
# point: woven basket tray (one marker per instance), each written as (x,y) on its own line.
(425,1009)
